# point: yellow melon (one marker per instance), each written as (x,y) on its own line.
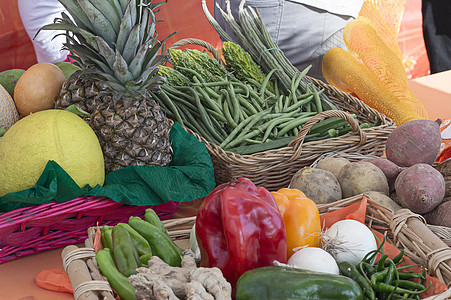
(52,134)
(8,111)
(38,88)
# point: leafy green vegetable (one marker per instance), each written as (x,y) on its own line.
(198,61)
(173,77)
(241,63)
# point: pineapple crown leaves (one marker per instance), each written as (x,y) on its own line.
(115,38)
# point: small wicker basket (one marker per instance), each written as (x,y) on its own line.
(52,225)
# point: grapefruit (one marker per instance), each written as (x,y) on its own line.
(53,134)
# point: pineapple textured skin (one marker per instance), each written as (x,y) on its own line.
(137,135)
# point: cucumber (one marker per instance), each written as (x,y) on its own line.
(277,282)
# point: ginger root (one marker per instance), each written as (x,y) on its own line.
(161,281)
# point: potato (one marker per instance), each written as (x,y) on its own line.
(440,216)
(319,185)
(420,188)
(361,177)
(383,200)
(332,164)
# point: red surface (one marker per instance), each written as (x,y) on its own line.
(411,43)
(16,48)
(184,17)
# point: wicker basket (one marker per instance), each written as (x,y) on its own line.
(47,226)
(402,229)
(274,168)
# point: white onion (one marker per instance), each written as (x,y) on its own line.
(313,259)
(348,240)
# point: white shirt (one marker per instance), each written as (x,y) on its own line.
(34,15)
(339,7)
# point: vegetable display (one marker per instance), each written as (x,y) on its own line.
(252,104)
(239,228)
(161,244)
(240,115)
(129,246)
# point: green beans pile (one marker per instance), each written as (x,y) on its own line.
(246,117)
(384,278)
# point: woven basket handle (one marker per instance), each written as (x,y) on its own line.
(297,142)
(198,42)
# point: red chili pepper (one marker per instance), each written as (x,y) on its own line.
(239,228)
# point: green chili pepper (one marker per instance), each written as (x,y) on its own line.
(116,279)
(151,216)
(162,245)
(392,275)
(411,285)
(351,271)
(106,237)
(398,258)
(383,287)
(410,275)
(141,244)
(378,276)
(124,252)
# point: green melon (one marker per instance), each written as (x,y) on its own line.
(52,134)
(9,78)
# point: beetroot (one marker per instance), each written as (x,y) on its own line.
(420,188)
(414,142)
(440,216)
(389,168)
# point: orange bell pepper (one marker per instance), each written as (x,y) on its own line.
(300,217)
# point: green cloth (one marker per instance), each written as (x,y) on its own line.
(189,176)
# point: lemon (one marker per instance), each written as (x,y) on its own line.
(46,135)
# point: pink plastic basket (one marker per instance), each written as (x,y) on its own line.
(52,225)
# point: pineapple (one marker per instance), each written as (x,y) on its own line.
(115,44)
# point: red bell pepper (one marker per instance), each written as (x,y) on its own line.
(239,228)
